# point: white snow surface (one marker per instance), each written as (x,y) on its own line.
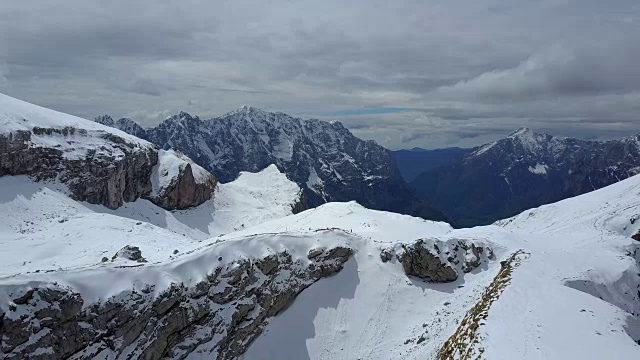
(42,229)
(249,200)
(20,115)
(572,297)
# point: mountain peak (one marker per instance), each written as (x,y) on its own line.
(181,115)
(249,109)
(523,131)
(246,110)
(104,120)
(184,115)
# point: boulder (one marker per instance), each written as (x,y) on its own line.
(436,260)
(178,183)
(129,252)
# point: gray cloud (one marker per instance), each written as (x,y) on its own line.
(559,71)
(471,71)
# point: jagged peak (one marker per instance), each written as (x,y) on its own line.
(526,137)
(126,120)
(181,115)
(523,131)
(246,110)
(104,120)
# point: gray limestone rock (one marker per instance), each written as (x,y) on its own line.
(226,311)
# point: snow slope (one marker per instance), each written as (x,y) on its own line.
(574,294)
(42,229)
(18,115)
(251,199)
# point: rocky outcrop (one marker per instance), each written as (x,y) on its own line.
(438,261)
(113,172)
(100,167)
(220,315)
(185,192)
(129,252)
(300,205)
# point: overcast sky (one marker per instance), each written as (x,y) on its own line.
(431,73)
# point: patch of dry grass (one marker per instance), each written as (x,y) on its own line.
(464,343)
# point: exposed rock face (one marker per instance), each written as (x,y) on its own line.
(219,316)
(438,261)
(110,175)
(300,205)
(125,124)
(129,252)
(101,167)
(185,192)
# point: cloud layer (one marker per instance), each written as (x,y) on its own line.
(405,73)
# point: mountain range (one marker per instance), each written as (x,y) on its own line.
(324,158)
(522,171)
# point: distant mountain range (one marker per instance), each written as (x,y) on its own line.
(522,171)
(324,158)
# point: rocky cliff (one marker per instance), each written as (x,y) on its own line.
(116,173)
(98,164)
(219,315)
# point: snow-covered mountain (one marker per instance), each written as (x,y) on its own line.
(525,170)
(240,276)
(323,158)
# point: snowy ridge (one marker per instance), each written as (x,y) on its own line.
(188,267)
(576,268)
(16,115)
